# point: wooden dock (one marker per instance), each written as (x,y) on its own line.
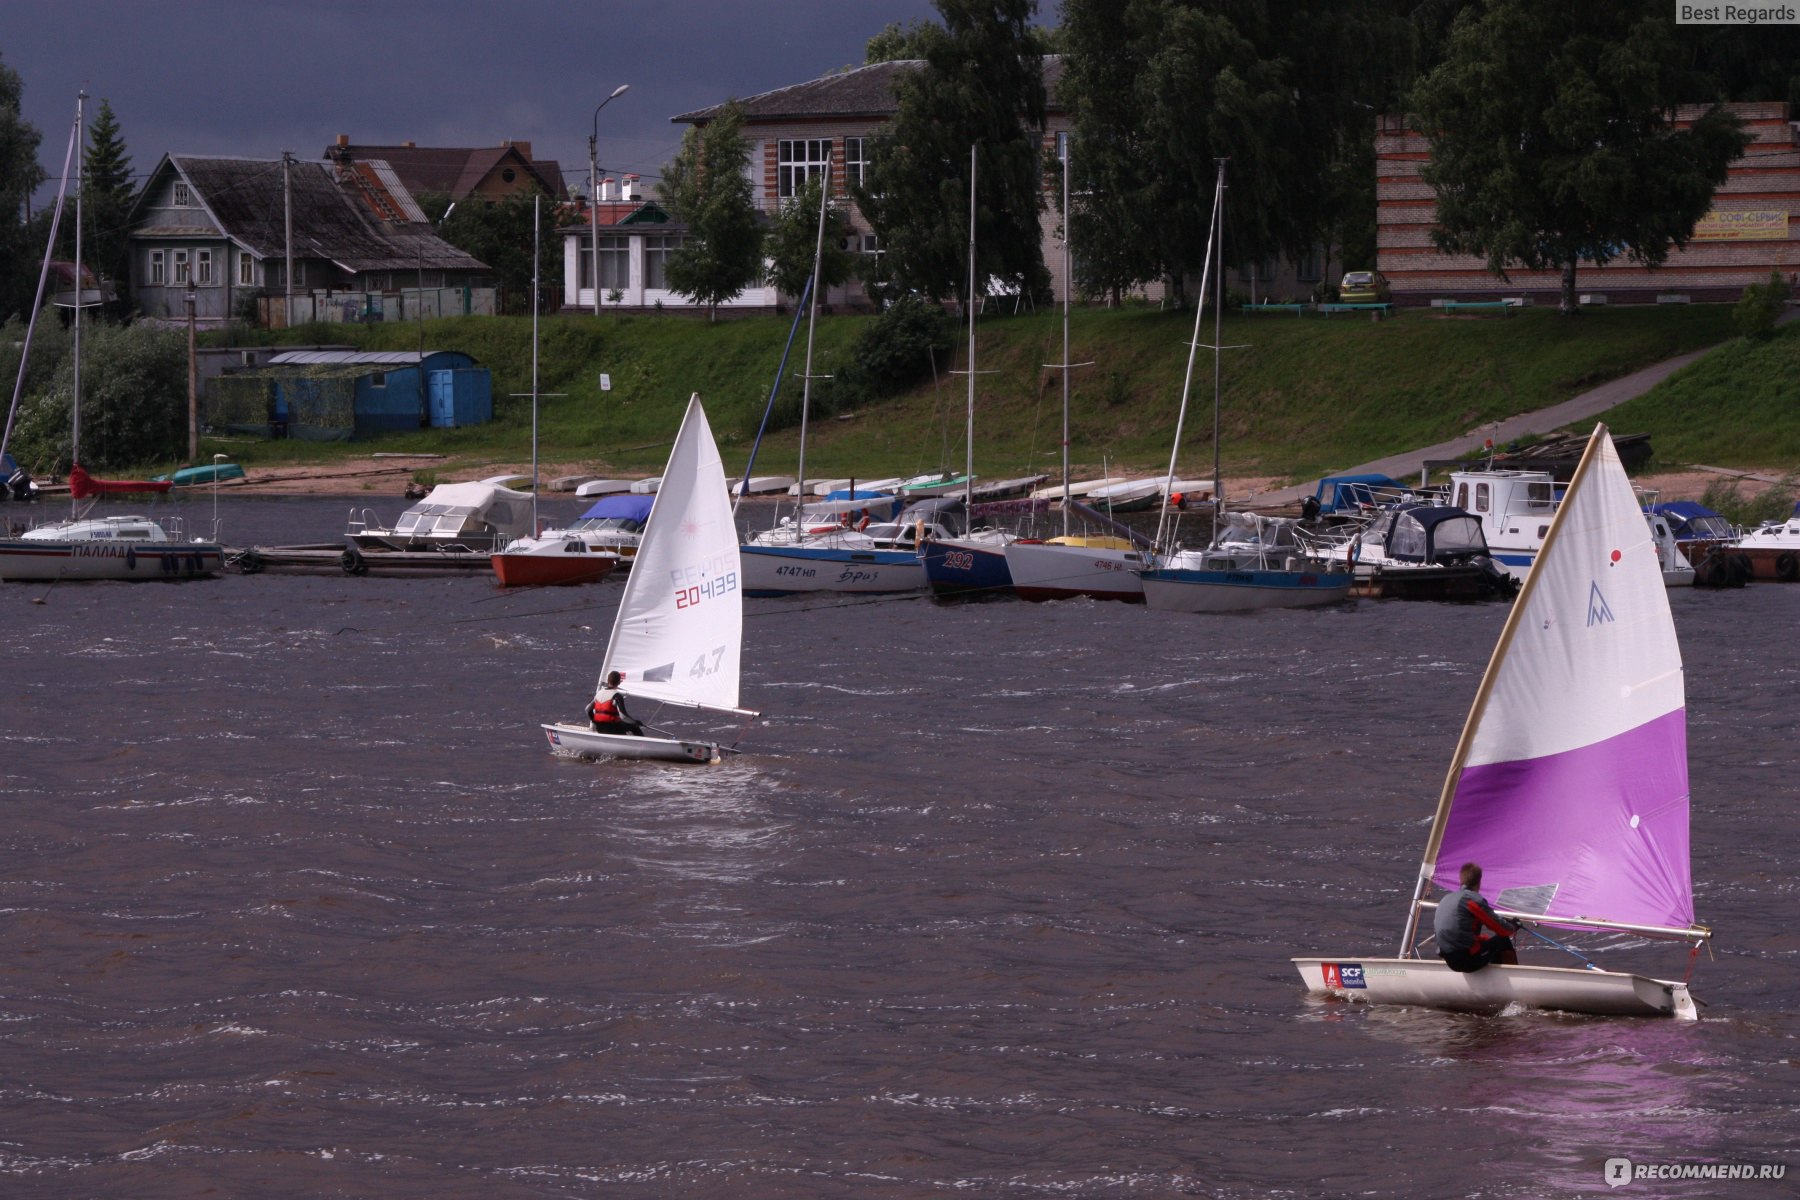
(340,559)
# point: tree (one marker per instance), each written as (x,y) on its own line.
(1554,141)
(794,237)
(133,398)
(106,203)
(21,242)
(981,84)
(500,233)
(1162,89)
(708,187)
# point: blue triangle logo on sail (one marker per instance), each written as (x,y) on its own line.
(1598,609)
(662,674)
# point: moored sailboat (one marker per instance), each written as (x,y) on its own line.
(86,547)
(1569,785)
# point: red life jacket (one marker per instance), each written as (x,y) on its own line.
(603,712)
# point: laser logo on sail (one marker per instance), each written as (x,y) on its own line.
(1598,610)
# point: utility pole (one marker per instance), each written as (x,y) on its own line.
(193,375)
(287,205)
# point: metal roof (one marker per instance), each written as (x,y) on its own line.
(389,357)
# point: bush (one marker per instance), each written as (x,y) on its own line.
(1775,503)
(897,350)
(1760,307)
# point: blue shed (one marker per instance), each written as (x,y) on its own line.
(341,394)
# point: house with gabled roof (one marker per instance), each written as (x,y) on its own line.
(485,173)
(229,225)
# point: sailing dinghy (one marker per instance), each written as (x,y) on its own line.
(1569,785)
(679,631)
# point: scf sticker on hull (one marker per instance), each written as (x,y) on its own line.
(1343,975)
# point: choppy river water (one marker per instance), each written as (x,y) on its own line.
(999,902)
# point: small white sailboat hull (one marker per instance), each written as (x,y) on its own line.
(579,741)
(1432,984)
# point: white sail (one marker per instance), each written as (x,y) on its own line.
(1570,784)
(679,631)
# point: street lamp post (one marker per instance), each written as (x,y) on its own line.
(594,186)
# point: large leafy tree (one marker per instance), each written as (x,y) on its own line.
(106,202)
(981,84)
(21,244)
(1162,89)
(708,187)
(1554,141)
(501,234)
(794,238)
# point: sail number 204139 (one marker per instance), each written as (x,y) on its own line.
(705,589)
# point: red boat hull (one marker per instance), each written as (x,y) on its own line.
(550,570)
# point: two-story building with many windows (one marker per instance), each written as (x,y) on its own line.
(796,133)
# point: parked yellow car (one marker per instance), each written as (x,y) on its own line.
(1364,287)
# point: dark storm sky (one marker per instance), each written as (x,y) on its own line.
(256,77)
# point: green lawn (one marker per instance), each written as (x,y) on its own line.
(1300,396)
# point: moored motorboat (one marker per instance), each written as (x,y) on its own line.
(1772,551)
(551,559)
(472,518)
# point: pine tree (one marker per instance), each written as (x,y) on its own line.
(106,203)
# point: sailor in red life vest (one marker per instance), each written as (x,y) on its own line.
(607,712)
(1470,935)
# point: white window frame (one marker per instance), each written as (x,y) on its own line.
(203,267)
(159,268)
(657,248)
(182,267)
(184,195)
(798,160)
(856,160)
(615,263)
(246,275)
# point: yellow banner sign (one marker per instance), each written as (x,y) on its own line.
(1742,225)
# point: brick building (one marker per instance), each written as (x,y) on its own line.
(1754,227)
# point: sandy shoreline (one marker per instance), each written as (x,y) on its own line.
(389,479)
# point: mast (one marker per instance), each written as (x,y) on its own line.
(37,306)
(1187,381)
(80,187)
(536,258)
(1218,349)
(812,318)
(969,432)
(1068,286)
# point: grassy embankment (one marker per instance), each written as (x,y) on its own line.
(1301,397)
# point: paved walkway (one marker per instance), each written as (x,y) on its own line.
(1405,467)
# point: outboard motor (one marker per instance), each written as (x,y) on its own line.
(20,485)
(1309,508)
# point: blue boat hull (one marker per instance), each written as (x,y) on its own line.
(958,568)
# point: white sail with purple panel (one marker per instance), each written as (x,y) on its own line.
(1572,792)
(1569,784)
